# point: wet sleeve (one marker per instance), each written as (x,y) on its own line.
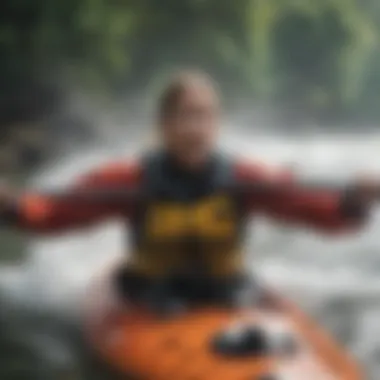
(41,213)
(326,210)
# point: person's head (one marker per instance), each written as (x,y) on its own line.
(189,110)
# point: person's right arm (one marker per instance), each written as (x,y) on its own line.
(48,213)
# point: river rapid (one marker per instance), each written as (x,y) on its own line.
(336,279)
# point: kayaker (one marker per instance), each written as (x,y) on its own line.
(187,238)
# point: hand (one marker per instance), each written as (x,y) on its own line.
(8,196)
(367,189)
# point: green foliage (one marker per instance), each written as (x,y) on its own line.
(322,56)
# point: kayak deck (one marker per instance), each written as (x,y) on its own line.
(180,347)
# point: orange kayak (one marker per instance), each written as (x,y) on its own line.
(260,343)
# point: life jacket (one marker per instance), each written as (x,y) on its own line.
(175,232)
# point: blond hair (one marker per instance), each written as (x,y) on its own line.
(173,90)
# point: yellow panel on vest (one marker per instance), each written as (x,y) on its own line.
(211,218)
(212,223)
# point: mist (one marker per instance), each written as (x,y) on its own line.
(79,81)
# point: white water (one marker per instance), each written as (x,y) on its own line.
(337,279)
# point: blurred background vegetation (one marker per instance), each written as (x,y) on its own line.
(306,61)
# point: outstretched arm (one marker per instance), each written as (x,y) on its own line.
(326,210)
(55,213)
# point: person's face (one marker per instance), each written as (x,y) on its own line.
(190,133)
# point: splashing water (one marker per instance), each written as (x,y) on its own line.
(336,279)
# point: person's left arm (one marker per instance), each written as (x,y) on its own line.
(284,200)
